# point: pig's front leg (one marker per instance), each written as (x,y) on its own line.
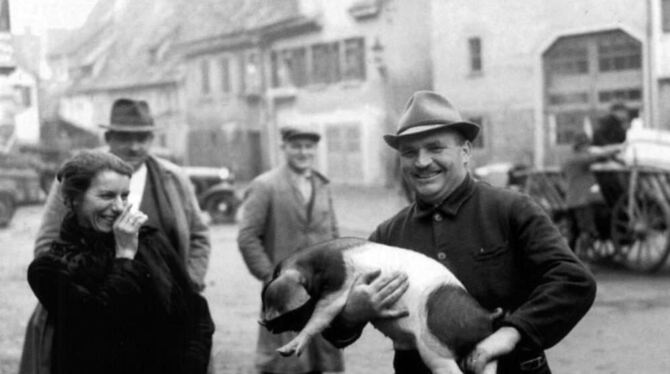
(325,311)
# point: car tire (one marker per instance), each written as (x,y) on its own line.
(7,209)
(222,208)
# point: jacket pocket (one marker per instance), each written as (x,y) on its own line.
(495,251)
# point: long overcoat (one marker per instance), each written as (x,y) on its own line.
(276,221)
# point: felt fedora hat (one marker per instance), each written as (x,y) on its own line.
(130,116)
(295,132)
(428,111)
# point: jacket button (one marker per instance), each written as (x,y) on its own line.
(437,217)
(441,256)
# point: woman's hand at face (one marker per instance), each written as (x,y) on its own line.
(126,229)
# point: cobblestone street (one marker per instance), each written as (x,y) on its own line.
(626,331)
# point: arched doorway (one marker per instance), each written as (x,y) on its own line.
(584,75)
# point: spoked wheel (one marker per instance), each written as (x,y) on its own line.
(595,250)
(566,226)
(640,232)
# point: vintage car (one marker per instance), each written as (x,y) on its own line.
(26,179)
(215,190)
(18,186)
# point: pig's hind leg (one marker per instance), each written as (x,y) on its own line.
(326,309)
(453,324)
(437,356)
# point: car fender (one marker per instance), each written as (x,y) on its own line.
(222,188)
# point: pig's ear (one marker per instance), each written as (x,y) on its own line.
(297,298)
(298,295)
(284,294)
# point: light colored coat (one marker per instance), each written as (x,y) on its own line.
(274,224)
(193,244)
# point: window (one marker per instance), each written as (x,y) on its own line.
(225,75)
(569,98)
(475,46)
(354,59)
(326,63)
(665,15)
(289,68)
(634,94)
(204,77)
(26,96)
(320,63)
(479,140)
(252,73)
(344,152)
(569,58)
(618,53)
(569,124)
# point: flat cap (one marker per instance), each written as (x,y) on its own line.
(295,132)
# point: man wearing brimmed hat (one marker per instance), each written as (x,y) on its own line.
(499,243)
(285,209)
(158,188)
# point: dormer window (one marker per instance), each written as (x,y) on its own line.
(364,9)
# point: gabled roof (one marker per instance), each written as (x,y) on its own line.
(142,27)
(146,28)
(101,17)
(205,19)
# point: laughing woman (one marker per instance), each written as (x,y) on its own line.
(121,300)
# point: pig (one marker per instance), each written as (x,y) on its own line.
(310,288)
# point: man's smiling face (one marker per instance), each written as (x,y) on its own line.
(434,163)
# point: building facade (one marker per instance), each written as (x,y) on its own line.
(346,68)
(350,78)
(124,49)
(536,73)
(222,48)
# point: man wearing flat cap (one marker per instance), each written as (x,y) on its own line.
(499,243)
(286,209)
(158,188)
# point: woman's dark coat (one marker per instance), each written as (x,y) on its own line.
(115,315)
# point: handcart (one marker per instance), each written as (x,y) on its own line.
(639,199)
(633,224)
(547,187)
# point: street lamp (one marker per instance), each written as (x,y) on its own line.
(378,57)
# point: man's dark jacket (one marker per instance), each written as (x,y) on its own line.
(610,131)
(507,253)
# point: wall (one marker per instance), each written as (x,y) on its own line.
(370,105)
(90,110)
(664,109)
(26,115)
(224,126)
(514,35)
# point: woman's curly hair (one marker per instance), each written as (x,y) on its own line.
(76,174)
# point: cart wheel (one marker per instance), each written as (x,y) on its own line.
(641,235)
(594,250)
(566,226)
